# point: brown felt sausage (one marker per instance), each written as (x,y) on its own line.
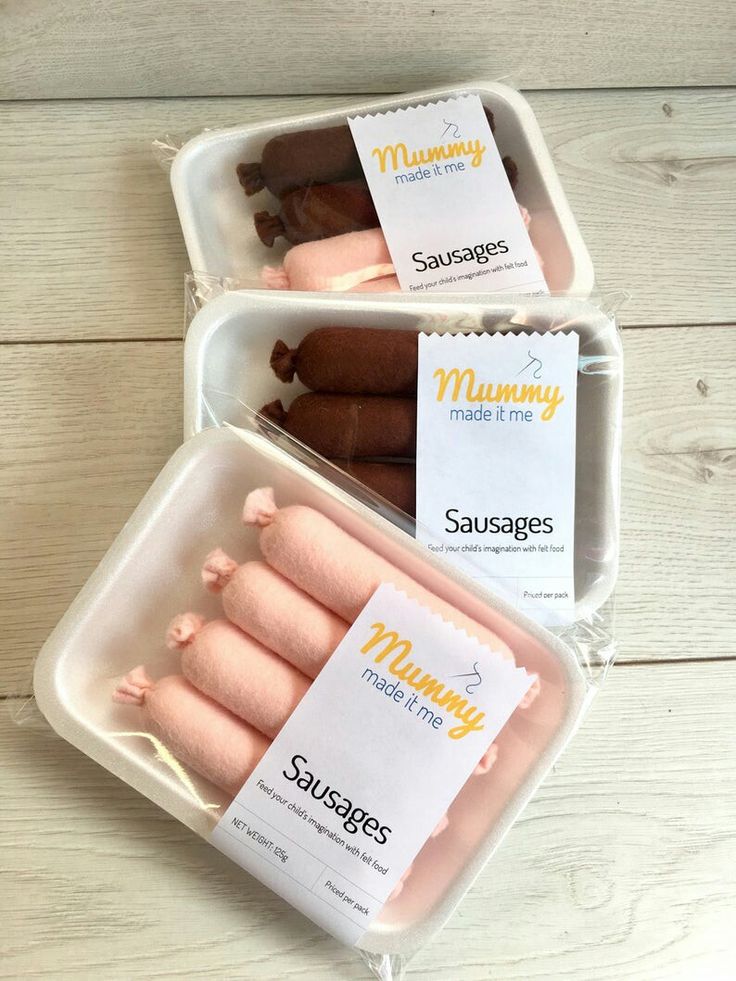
(350,426)
(292,160)
(319,211)
(394,481)
(351,360)
(512,171)
(311,156)
(323,210)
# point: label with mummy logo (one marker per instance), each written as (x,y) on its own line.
(496,453)
(364,771)
(444,200)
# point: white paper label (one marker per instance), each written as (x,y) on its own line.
(496,462)
(445,205)
(369,761)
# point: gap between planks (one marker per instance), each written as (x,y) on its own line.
(358,96)
(70,341)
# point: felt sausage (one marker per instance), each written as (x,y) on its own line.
(318,211)
(351,361)
(341,572)
(273,610)
(332,264)
(399,887)
(390,284)
(335,568)
(292,160)
(384,284)
(350,426)
(236,671)
(342,263)
(323,210)
(222,662)
(204,735)
(331,565)
(394,481)
(512,171)
(197,730)
(311,156)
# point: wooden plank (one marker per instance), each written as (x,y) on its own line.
(72,49)
(675,590)
(85,428)
(92,246)
(646,174)
(621,866)
(88,426)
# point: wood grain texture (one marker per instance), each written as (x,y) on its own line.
(678,568)
(92,248)
(72,49)
(92,424)
(85,429)
(620,868)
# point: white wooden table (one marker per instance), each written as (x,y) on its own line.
(623,867)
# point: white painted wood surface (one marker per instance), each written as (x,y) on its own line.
(53,49)
(621,869)
(91,246)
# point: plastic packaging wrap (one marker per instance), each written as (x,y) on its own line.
(170,736)
(285,204)
(209,644)
(242,353)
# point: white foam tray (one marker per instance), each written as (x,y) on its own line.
(226,367)
(151,572)
(217,218)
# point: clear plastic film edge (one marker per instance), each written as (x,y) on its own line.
(253,212)
(94,693)
(228,380)
(144,606)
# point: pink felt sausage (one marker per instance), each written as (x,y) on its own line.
(339,571)
(204,735)
(193,727)
(344,263)
(486,761)
(273,610)
(386,284)
(238,672)
(224,663)
(399,887)
(198,731)
(332,264)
